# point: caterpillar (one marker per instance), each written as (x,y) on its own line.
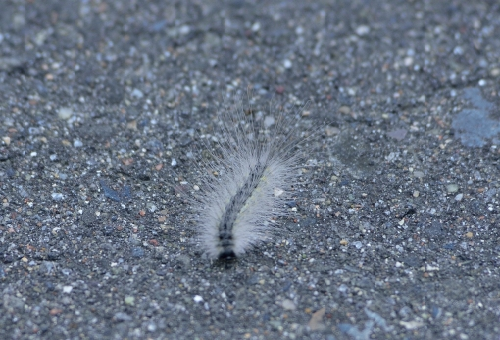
(247,183)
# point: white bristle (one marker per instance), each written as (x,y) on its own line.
(254,177)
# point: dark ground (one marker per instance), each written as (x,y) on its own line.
(398,215)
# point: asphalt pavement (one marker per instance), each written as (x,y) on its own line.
(106,106)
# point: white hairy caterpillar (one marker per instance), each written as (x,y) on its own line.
(247,184)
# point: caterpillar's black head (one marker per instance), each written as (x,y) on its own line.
(227,254)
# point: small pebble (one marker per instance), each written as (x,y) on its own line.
(342,288)
(345,109)
(436,312)
(110,193)
(256,27)
(358,244)
(410,325)
(331,131)
(129,300)
(137,252)
(136,93)
(57,196)
(451,188)
(288,305)
(459,197)
(418,174)
(458,50)
(269,121)
(67,289)
(65,113)
(152,327)
(184,29)
(398,134)
(121,316)
(362,30)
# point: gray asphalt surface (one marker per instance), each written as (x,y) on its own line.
(102,106)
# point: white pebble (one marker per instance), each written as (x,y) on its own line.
(269,121)
(288,305)
(357,244)
(419,174)
(65,113)
(362,30)
(185,29)
(57,196)
(458,50)
(136,93)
